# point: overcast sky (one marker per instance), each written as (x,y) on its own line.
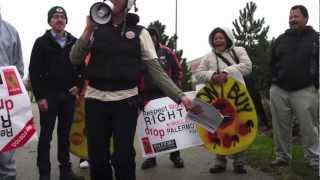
(195,18)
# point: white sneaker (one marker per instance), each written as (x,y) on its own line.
(84,165)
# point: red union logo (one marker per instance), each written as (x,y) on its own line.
(12,82)
(146,145)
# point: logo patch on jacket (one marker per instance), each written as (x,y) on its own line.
(130,35)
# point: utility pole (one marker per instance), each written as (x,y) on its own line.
(176,28)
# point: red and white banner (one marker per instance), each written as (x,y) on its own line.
(163,128)
(16,119)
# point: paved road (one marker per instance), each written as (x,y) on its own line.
(197,162)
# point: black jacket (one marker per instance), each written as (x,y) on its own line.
(50,68)
(295,59)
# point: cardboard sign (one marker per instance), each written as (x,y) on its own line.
(239,126)
(16,119)
(163,127)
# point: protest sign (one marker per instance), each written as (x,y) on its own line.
(16,119)
(78,135)
(239,126)
(163,127)
(78,138)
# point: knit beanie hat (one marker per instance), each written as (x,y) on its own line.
(57,9)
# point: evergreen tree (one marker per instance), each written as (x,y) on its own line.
(171,43)
(251,34)
(161,28)
(249,31)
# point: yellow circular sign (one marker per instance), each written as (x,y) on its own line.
(78,138)
(239,126)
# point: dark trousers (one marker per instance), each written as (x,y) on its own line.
(116,118)
(60,107)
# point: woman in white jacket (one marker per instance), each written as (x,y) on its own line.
(213,69)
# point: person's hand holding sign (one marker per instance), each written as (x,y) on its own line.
(219,78)
(186,102)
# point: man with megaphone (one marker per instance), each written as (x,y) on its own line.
(120,50)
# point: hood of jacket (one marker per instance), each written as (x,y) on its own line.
(153,31)
(132,19)
(227,32)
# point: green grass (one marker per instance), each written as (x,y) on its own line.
(260,154)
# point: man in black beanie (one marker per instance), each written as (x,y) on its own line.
(54,82)
(59,10)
